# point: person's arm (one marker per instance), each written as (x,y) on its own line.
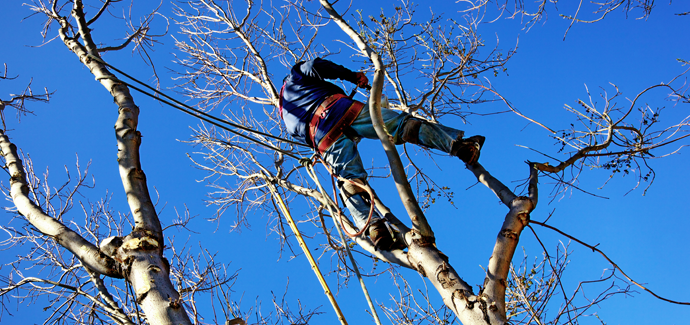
(324,69)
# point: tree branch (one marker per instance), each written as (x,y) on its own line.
(100,12)
(509,236)
(595,249)
(404,189)
(88,253)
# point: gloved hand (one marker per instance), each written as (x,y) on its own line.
(362,80)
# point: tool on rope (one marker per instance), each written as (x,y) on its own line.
(312,174)
(303,245)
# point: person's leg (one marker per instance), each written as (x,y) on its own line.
(344,158)
(393,121)
(405,128)
(430,135)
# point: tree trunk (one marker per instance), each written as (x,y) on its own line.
(139,254)
(489,306)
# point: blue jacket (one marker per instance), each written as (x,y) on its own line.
(304,90)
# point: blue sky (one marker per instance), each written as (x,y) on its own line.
(644,234)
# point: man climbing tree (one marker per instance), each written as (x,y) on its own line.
(320,114)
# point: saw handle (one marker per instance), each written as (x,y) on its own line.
(354,91)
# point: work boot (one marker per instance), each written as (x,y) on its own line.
(380,236)
(468,149)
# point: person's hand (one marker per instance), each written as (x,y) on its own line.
(362,80)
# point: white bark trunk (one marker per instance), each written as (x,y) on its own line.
(87,253)
(139,254)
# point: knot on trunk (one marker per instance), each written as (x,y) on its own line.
(110,245)
(420,269)
(524,218)
(471,300)
(445,277)
(509,233)
(421,241)
(487,305)
(136,173)
(461,295)
(142,243)
(138,241)
(523,204)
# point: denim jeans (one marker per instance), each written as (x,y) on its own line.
(345,161)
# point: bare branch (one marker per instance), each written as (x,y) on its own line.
(99,13)
(595,249)
(609,131)
(502,192)
(88,253)
(18,101)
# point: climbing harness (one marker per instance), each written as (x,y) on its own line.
(320,115)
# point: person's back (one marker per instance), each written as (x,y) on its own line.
(305,88)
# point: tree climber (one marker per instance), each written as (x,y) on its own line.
(319,114)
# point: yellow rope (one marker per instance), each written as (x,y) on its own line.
(302,244)
(312,174)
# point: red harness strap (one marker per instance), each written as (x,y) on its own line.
(320,114)
(280,100)
(338,129)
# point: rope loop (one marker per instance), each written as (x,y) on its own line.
(306,162)
(335,201)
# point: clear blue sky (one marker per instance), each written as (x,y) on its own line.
(644,234)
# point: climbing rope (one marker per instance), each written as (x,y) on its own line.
(200,114)
(364,187)
(303,245)
(312,174)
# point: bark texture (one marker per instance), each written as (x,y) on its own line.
(487,307)
(139,254)
(87,253)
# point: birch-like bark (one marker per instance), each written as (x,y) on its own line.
(85,251)
(128,138)
(493,294)
(140,254)
(404,189)
(489,306)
